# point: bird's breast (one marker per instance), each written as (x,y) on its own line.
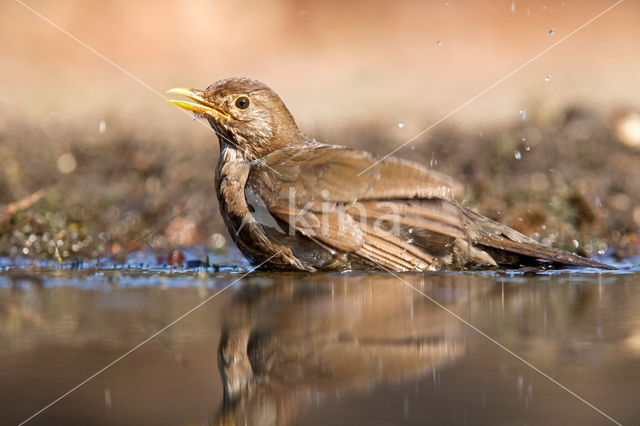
(231,177)
(249,235)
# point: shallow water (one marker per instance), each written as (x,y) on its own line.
(439,348)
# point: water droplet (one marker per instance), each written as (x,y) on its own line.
(599,202)
(576,244)
(401,125)
(102,126)
(513,7)
(523,139)
(552,31)
(547,78)
(517,154)
(527,148)
(439,43)
(523,114)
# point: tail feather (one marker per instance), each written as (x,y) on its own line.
(487,232)
(450,219)
(539,251)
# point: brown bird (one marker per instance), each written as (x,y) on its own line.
(291,202)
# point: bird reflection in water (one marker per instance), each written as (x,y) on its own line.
(288,345)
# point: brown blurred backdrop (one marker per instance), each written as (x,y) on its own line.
(332,61)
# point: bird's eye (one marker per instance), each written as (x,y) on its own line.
(242,102)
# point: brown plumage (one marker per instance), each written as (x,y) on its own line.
(300,204)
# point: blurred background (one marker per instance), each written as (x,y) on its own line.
(95,162)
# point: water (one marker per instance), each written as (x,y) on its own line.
(355,348)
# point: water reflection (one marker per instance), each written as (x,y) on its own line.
(319,349)
(292,344)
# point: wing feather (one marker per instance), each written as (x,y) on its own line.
(320,191)
(318,173)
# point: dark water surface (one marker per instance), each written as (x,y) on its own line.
(317,349)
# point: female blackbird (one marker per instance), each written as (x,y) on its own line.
(294,203)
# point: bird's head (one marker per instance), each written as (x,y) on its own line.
(245,114)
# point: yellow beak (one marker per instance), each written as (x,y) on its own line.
(202,106)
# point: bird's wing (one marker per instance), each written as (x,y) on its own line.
(396,214)
(318,190)
(316,172)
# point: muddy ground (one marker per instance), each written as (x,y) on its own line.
(570,180)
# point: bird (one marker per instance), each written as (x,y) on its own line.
(292,203)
